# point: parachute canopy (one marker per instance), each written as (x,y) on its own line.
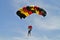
(28,10)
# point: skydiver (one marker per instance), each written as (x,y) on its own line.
(29,30)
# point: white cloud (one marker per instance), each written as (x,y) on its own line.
(30,38)
(37,38)
(21,3)
(51,23)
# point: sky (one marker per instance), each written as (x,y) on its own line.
(44,28)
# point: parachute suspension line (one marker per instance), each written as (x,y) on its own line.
(30,22)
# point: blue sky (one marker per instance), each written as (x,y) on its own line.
(13,28)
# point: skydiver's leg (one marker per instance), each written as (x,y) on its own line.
(29,32)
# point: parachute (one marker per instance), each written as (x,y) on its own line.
(28,10)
